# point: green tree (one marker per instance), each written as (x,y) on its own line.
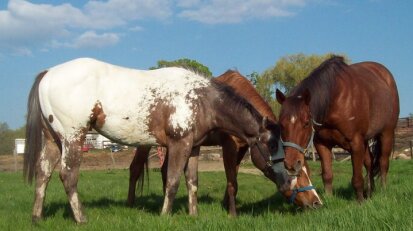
(7,137)
(287,72)
(185,63)
(291,69)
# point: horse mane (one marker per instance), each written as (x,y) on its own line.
(245,89)
(321,84)
(233,99)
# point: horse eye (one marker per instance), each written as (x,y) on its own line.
(306,124)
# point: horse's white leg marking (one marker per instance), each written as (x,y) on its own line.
(192,194)
(178,155)
(191,176)
(76,205)
(69,175)
(48,159)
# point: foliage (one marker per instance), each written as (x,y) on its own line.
(291,69)
(185,63)
(7,137)
(285,74)
(104,193)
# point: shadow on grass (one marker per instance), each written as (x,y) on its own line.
(149,203)
(274,204)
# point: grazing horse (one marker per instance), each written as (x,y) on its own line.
(171,107)
(344,105)
(298,190)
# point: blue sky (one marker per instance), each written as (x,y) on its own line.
(248,35)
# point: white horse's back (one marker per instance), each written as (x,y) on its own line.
(70,91)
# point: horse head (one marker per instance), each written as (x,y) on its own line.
(267,154)
(297,129)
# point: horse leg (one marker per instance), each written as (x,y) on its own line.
(178,154)
(191,176)
(69,175)
(45,165)
(358,150)
(369,179)
(135,170)
(326,159)
(229,154)
(386,146)
(164,172)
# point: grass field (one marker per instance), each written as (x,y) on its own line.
(103,194)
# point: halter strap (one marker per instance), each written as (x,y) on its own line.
(298,190)
(275,157)
(298,147)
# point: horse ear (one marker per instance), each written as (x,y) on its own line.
(307,96)
(280,96)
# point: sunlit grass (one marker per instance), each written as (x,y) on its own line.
(103,194)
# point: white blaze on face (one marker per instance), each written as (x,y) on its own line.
(310,184)
(293,183)
(293,119)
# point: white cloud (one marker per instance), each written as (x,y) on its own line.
(22,51)
(25,24)
(136,28)
(235,11)
(90,39)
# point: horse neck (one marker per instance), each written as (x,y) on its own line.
(245,89)
(236,118)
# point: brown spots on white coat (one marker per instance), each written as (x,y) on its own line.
(97,117)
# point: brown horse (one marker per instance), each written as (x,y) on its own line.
(298,190)
(171,107)
(345,105)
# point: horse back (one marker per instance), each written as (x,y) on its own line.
(245,89)
(121,103)
(366,98)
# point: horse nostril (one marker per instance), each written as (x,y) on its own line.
(317,204)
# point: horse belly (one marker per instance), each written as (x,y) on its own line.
(128,130)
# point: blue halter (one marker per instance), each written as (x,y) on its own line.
(298,190)
(298,147)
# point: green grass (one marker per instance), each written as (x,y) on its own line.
(103,194)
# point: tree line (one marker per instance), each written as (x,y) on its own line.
(284,75)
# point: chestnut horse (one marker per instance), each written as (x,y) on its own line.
(344,105)
(171,107)
(298,190)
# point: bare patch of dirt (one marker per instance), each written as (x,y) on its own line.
(210,160)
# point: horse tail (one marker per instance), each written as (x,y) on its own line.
(33,144)
(375,148)
(141,179)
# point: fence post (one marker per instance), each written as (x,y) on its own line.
(411,149)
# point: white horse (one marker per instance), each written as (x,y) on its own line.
(170,107)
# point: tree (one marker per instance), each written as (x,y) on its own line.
(291,69)
(185,63)
(285,74)
(7,137)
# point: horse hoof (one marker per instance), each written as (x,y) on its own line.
(36,219)
(82,220)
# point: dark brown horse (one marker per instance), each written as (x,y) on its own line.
(345,105)
(298,190)
(170,107)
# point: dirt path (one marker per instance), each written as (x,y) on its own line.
(121,160)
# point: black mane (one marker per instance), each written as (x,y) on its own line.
(234,100)
(321,83)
